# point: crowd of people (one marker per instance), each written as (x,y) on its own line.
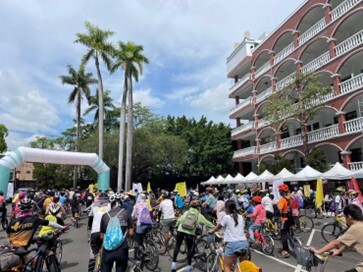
(132,213)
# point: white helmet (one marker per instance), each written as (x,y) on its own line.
(54,208)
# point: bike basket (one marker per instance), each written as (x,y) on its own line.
(304,256)
(9,260)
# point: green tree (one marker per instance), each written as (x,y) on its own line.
(3,134)
(317,160)
(300,100)
(96,41)
(108,108)
(130,58)
(276,165)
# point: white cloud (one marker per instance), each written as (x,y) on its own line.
(146,98)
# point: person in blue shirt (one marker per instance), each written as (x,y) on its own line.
(179,202)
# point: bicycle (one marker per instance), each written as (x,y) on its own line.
(215,262)
(273,227)
(307,258)
(4,221)
(303,223)
(264,242)
(331,231)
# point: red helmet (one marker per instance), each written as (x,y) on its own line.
(256,199)
(284,188)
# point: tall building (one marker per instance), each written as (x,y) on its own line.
(321,36)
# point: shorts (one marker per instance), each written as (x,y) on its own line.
(233,246)
(95,244)
(167,224)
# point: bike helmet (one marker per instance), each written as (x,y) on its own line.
(284,188)
(112,198)
(165,193)
(352,192)
(54,208)
(256,199)
(26,204)
(118,196)
(340,189)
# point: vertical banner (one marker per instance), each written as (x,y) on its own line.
(148,187)
(181,187)
(319,196)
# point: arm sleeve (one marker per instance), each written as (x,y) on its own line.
(349,238)
(55,225)
(224,221)
(204,221)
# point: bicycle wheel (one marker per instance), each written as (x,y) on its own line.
(159,240)
(52,263)
(4,223)
(267,245)
(306,223)
(152,255)
(59,251)
(330,232)
(274,230)
(213,264)
(202,251)
(39,264)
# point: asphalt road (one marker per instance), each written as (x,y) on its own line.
(76,252)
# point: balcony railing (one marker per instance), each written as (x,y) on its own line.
(244,127)
(322,99)
(343,8)
(323,133)
(269,147)
(263,69)
(312,31)
(291,141)
(285,82)
(284,52)
(241,105)
(348,44)
(240,82)
(244,152)
(316,63)
(354,125)
(355,166)
(262,123)
(351,84)
(263,95)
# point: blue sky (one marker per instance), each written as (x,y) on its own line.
(186,41)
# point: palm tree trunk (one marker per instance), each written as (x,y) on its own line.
(100,110)
(121,153)
(130,132)
(78,129)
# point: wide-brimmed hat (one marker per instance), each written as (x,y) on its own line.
(131,193)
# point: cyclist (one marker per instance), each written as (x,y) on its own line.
(179,202)
(3,209)
(119,255)
(283,207)
(167,215)
(188,234)
(266,201)
(259,214)
(234,237)
(352,237)
(22,228)
(209,204)
(353,198)
(100,207)
(339,199)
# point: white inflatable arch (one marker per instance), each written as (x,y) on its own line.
(26,154)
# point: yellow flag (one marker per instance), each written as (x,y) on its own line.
(181,187)
(307,190)
(319,195)
(148,187)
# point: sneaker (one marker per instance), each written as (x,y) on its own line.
(173,267)
(188,268)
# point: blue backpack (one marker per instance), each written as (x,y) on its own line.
(114,237)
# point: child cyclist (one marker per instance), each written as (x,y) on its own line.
(54,209)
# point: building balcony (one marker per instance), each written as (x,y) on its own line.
(245,127)
(243,105)
(283,53)
(323,134)
(260,97)
(245,152)
(351,84)
(285,82)
(343,8)
(263,69)
(312,31)
(239,83)
(291,141)
(316,63)
(269,147)
(354,125)
(350,43)
(355,166)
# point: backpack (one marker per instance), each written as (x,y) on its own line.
(114,237)
(190,221)
(145,218)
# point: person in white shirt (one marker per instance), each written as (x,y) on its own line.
(95,215)
(167,214)
(267,203)
(339,200)
(234,237)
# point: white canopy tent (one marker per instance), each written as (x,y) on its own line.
(238,179)
(210,180)
(358,174)
(265,176)
(305,174)
(250,178)
(338,172)
(283,174)
(229,180)
(219,180)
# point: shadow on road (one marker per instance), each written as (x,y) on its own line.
(68,265)
(66,241)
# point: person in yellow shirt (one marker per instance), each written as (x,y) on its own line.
(53,208)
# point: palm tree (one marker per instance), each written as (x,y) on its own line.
(80,80)
(108,108)
(98,47)
(129,57)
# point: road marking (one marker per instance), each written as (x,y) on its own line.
(277,260)
(299,267)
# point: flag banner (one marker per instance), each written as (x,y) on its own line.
(307,190)
(148,187)
(181,187)
(137,186)
(319,196)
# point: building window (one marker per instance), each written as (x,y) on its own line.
(356,155)
(316,126)
(28,172)
(350,115)
(18,171)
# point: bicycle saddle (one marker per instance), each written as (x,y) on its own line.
(240,252)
